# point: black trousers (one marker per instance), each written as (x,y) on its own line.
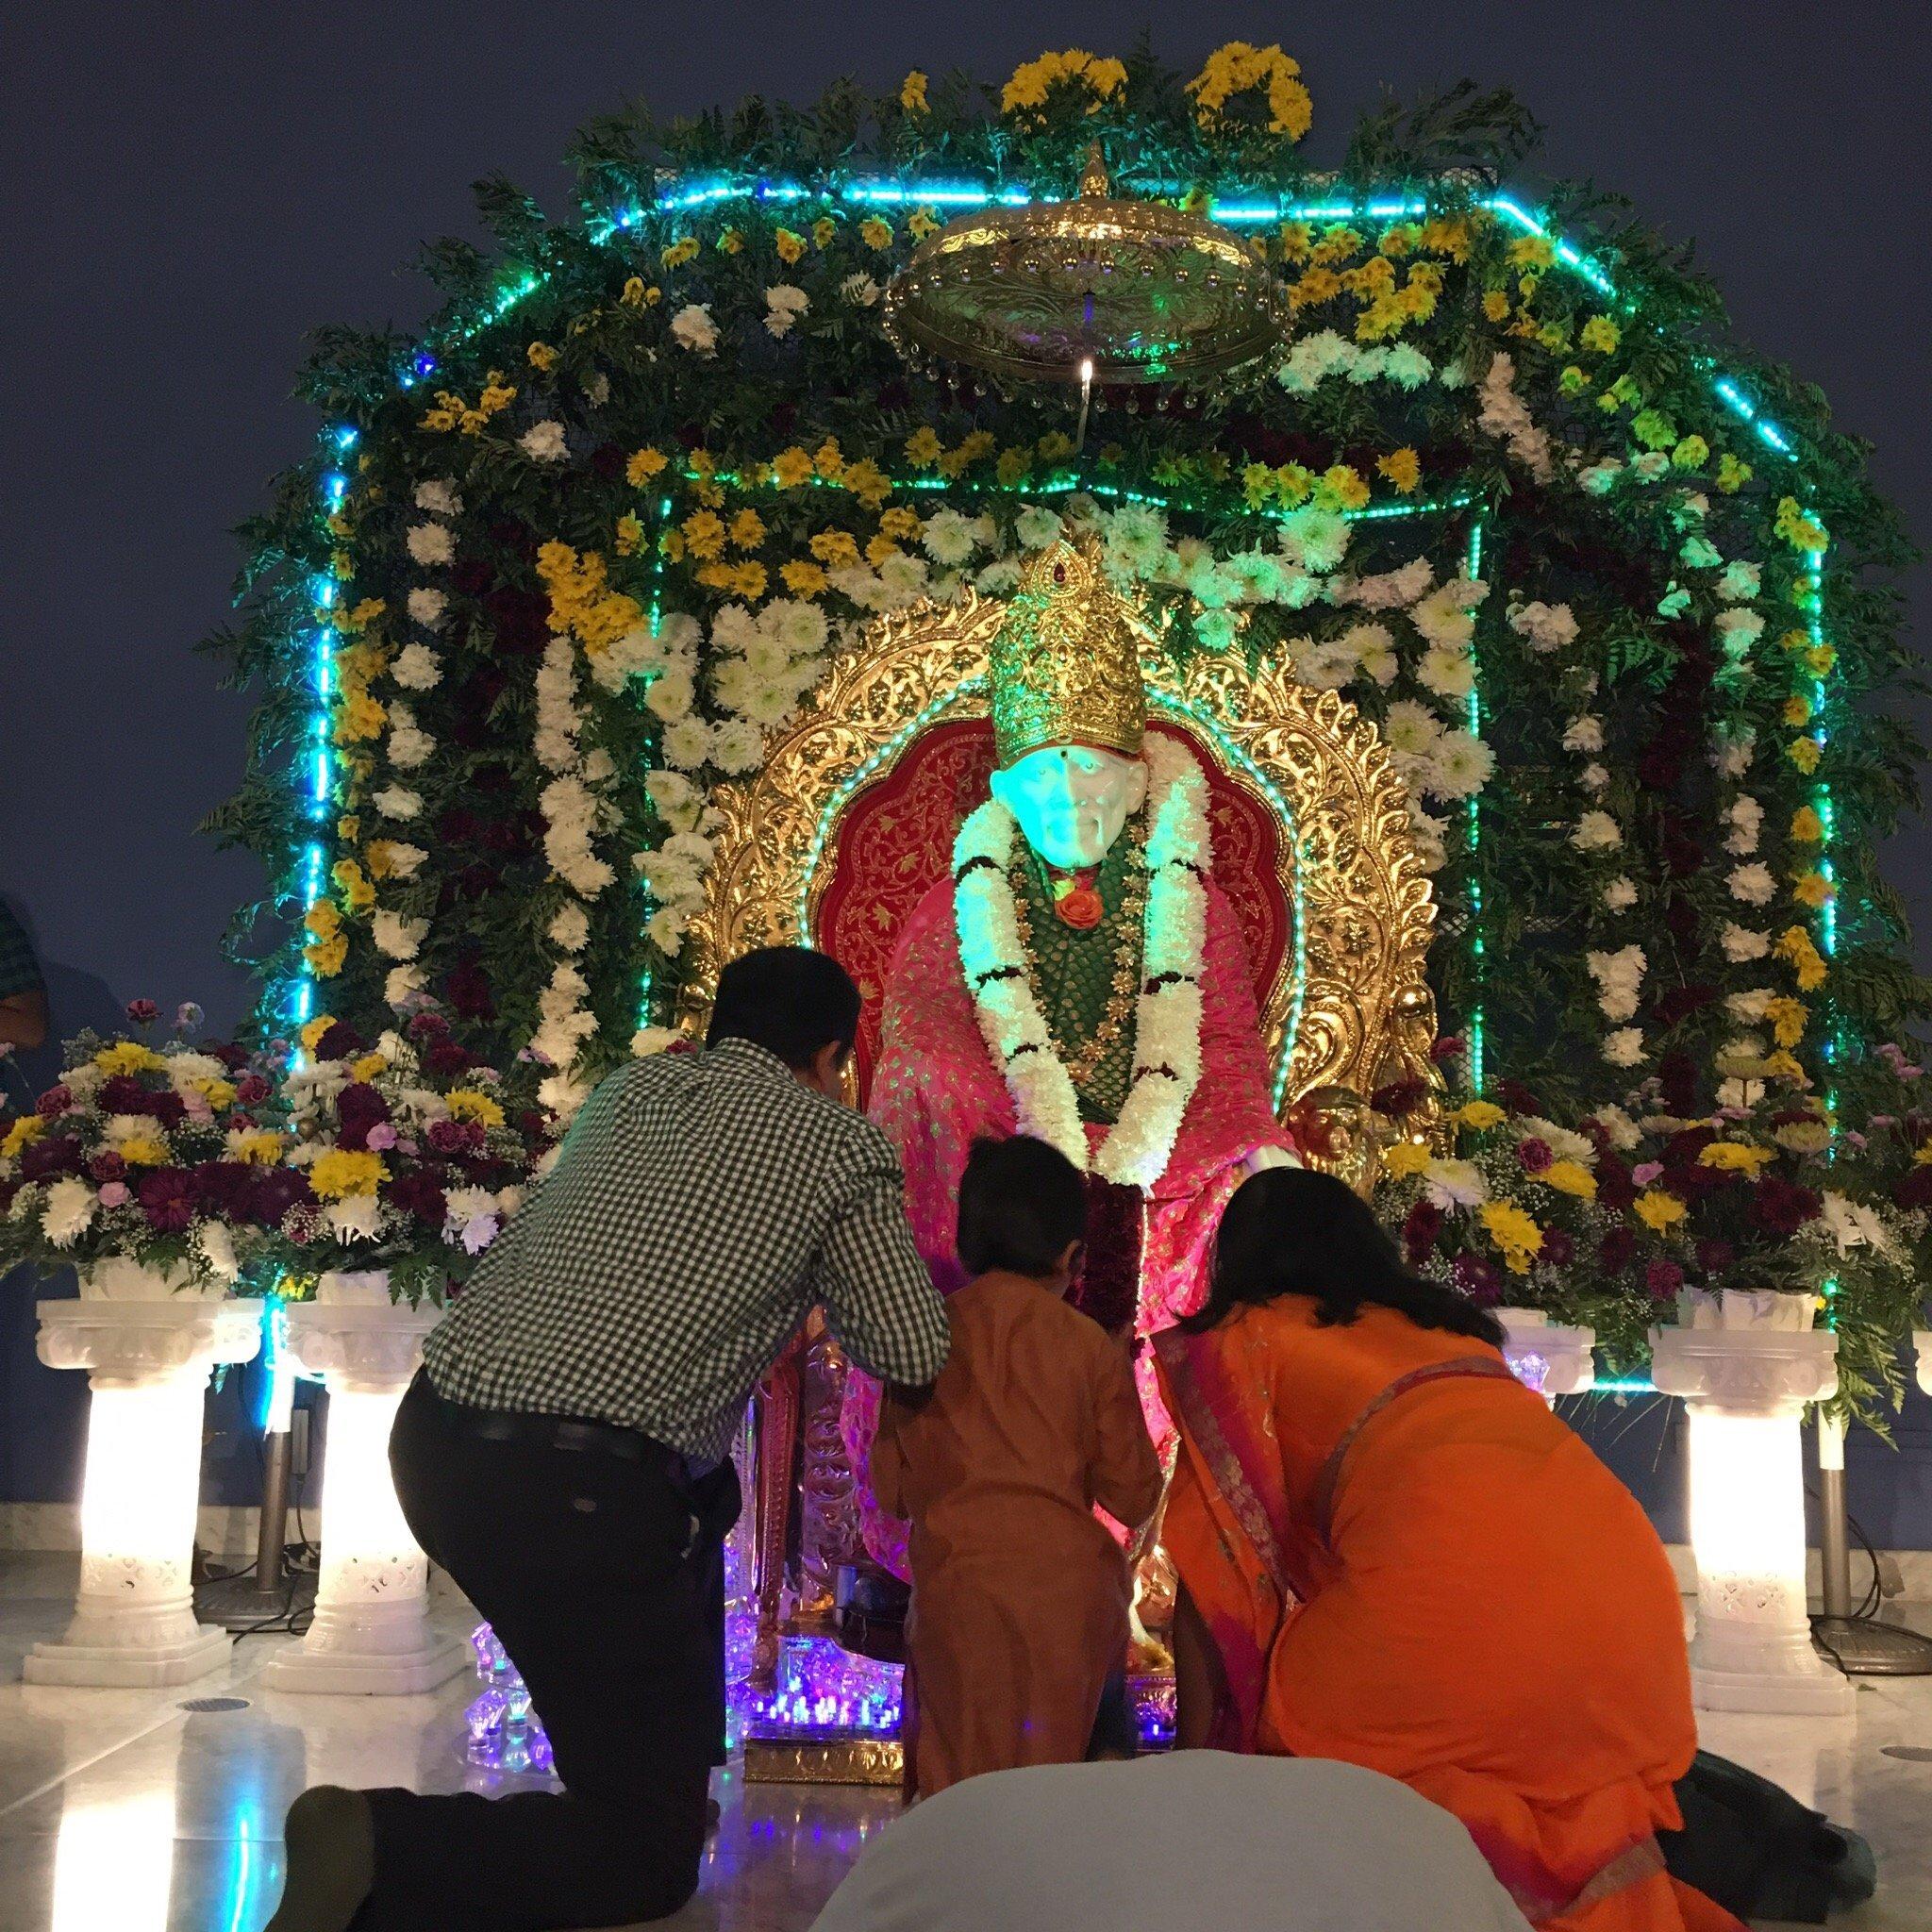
(604,1580)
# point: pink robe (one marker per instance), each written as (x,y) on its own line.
(937,1090)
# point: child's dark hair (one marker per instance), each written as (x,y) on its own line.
(1022,1202)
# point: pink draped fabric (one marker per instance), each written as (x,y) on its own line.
(937,1090)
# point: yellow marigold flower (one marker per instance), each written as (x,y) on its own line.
(1569,1177)
(835,549)
(923,448)
(1784,1066)
(822,231)
(1446,235)
(1600,335)
(358,893)
(322,919)
(644,464)
(1339,241)
(259,1149)
(348,829)
(1573,381)
(1402,468)
(369,1066)
(358,716)
(879,548)
(1736,1156)
(1403,1159)
(1257,484)
(791,467)
(497,396)
(1786,1016)
(1342,484)
(1808,828)
(902,524)
(344,1170)
(444,416)
(143,1150)
(312,1030)
(1531,251)
(749,581)
(1297,238)
(1692,453)
(681,251)
(1804,753)
(1814,890)
(876,232)
(1732,475)
(630,534)
(731,241)
(922,223)
(718,576)
(1514,1233)
(912,94)
(828,459)
(790,245)
(1292,485)
(29,1127)
(1922,1155)
(748,529)
(541,355)
(704,533)
(1822,659)
(1659,1212)
(1794,946)
(366,612)
(1479,1114)
(804,580)
(1399,237)
(1316,286)
(471,1103)
(1497,305)
(1797,710)
(1014,464)
(867,482)
(1054,445)
(633,295)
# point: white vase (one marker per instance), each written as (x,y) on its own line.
(1922,1347)
(1746,1364)
(370,1636)
(121,1278)
(148,1358)
(1553,1358)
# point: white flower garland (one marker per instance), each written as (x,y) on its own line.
(1168,1014)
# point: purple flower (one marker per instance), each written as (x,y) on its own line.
(41,1160)
(143,1012)
(106,1166)
(54,1102)
(167,1198)
(1662,1280)
(1535,1154)
(358,1108)
(380,1137)
(188,1016)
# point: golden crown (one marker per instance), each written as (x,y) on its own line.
(1066,660)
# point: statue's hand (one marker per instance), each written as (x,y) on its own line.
(1264,1158)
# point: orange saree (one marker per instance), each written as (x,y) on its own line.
(1408,1562)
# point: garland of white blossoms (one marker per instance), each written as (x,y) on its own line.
(1168,1014)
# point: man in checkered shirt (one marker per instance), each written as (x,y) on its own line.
(564,1455)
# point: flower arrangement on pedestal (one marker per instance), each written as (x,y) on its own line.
(405,1155)
(164,1157)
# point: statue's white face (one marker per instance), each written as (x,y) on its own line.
(1071,800)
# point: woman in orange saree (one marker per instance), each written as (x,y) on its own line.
(1393,1553)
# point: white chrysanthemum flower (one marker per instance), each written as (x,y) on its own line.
(1411,728)
(1315,540)
(1599,479)
(397,802)
(357,1218)
(1137,539)
(431,543)
(799,626)
(948,537)
(674,798)
(1651,467)
(902,581)
(1596,831)
(1620,895)
(1584,734)
(417,668)
(768,704)
(1258,573)
(1455,1184)
(733,628)
(1753,884)
(1406,366)
(1619,977)
(693,328)
(1461,766)
(738,746)
(1594,778)
(427,606)
(403,983)
(1036,526)
(397,937)
(857,585)
(860,289)
(1748,1008)
(1740,582)
(997,579)
(409,747)
(785,301)
(68,1210)
(1738,628)
(1747,819)
(1625,1047)
(687,744)
(438,499)
(648,1040)
(1733,756)
(216,1246)
(543,442)
(1448,670)
(665,930)
(671,695)
(1741,944)
(1430,835)
(1328,664)
(570,930)
(1548,626)
(406,861)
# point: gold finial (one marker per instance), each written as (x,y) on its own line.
(1094,178)
(1066,662)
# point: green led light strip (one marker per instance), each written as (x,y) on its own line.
(1477,1045)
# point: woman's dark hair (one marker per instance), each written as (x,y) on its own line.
(1290,1230)
(789,1000)
(1022,1202)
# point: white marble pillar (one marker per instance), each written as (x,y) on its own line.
(370,1636)
(1552,1357)
(148,1356)
(1744,1385)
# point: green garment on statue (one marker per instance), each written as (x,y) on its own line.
(1073,974)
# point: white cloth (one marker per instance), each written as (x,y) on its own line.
(1200,1840)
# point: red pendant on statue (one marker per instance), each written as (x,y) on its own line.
(1077,901)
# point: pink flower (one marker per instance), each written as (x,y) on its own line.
(115,1194)
(1646,1171)
(143,1012)
(381,1138)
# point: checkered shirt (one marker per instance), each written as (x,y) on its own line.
(701,1205)
(20,972)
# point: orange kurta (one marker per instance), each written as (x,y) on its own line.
(1019,1594)
(1408,1562)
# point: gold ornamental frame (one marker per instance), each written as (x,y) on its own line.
(1350,1007)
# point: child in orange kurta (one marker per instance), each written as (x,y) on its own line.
(1020,1594)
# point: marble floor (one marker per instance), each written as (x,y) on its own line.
(119,1810)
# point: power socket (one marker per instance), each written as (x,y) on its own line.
(299,1442)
